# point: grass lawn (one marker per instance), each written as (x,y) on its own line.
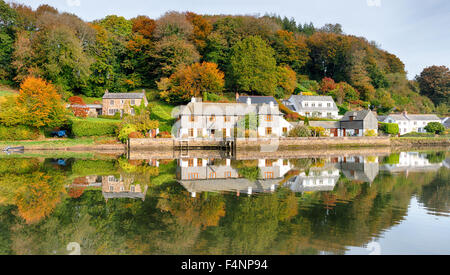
(163,113)
(57,143)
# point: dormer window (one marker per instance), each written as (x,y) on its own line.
(306,104)
(329,105)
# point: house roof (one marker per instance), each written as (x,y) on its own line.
(358,115)
(258,99)
(299,99)
(229,109)
(446,122)
(406,117)
(124,95)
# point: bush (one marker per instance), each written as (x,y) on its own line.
(115,117)
(136,135)
(370,133)
(126,131)
(18,133)
(300,131)
(94,127)
(415,134)
(390,128)
(82,167)
(435,128)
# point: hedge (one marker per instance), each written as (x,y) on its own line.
(390,128)
(18,133)
(91,127)
(87,167)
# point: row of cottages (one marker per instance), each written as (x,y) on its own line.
(220,120)
(410,123)
(353,124)
(313,106)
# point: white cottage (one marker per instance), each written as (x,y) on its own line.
(313,106)
(220,120)
(411,123)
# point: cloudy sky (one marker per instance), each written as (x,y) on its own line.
(417,31)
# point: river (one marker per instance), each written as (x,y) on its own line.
(83,203)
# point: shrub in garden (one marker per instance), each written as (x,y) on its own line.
(126,131)
(300,131)
(88,128)
(435,128)
(390,128)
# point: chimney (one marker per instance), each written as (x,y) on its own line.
(237,96)
(193,100)
(106,92)
(249,101)
(272,105)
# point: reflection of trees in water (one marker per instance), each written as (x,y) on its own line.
(169,221)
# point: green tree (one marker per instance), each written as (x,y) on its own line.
(253,66)
(434,82)
(435,128)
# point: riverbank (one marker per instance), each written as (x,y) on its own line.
(100,144)
(110,145)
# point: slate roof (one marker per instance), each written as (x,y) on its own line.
(407,117)
(229,109)
(299,99)
(258,99)
(359,115)
(124,96)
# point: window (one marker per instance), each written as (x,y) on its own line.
(111,188)
(111,102)
(320,104)
(306,104)
(269,175)
(191,132)
(227,118)
(268,131)
(133,189)
(269,163)
(224,132)
(307,114)
(285,162)
(329,105)
(122,188)
(285,130)
(199,162)
(191,163)
(212,175)
(122,101)
(227,175)
(133,102)
(192,118)
(329,114)
(212,118)
(199,133)
(269,118)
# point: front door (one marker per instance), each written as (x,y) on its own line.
(213,133)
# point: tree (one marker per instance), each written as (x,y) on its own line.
(78,106)
(291,50)
(144,26)
(173,24)
(170,53)
(194,81)
(327,85)
(287,80)
(42,104)
(434,82)
(202,29)
(435,128)
(253,66)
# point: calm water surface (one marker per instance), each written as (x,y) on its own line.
(382,204)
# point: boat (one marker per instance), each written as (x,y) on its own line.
(14,149)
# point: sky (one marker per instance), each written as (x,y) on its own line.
(417,31)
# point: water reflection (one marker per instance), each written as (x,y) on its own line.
(209,205)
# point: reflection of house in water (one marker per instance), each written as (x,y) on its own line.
(119,187)
(205,175)
(315,179)
(358,168)
(412,162)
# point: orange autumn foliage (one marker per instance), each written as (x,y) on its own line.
(42,103)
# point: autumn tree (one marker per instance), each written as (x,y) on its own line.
(287,81)
(291,50)
(434,82)
(41,102)
(327,85)
(173,23)
(202,29)
(78,106)
(194,81)
(253,66)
